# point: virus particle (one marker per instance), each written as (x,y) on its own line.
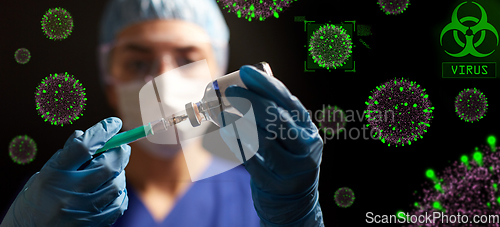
(471,105)
(393,7)
(57,24)
(363,30)
(60,99)
(22,149)
(330,46)
(344,197)
(256,9)
(468,187)
(400,111)
(22,56)
(332,120)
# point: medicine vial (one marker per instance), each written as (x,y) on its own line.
(214,100)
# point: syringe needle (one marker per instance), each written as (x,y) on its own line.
(176,119)
(181,118)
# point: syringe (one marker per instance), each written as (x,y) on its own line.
(207,109)
(144,131)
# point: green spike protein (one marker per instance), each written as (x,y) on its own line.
(22,149)
(330,46)
(256,9)
(60,99)
(399,111)
(57,24)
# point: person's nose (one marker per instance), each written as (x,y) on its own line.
(165,63)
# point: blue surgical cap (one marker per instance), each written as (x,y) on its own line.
(205,13)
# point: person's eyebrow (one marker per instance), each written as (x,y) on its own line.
(187,49)
(137,48)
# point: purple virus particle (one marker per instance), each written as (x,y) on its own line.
(332,120)
(468,188)
(57,24)
(344,197)
(22,149)
(22,56)
(60,99)
(256,9)
(393,7)
(330,46)
(471,105)
(399,111)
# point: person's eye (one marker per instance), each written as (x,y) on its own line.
(184,61)
(138,66)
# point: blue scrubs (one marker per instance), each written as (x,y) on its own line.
(224,200)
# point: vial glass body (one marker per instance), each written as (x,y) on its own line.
(214,100)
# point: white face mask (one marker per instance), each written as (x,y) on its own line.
(174,90)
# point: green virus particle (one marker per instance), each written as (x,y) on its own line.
(57,24)
(399,111)
(22,149)
(22,56)
(471,105)
(330,46)
(60,99)
(363,30)
(469,187)
(332,120)
(344,197)
(256,9)
(393,7)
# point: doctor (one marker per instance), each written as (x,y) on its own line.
(140,39)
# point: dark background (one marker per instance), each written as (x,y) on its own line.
(383,178)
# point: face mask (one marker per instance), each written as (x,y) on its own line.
(174,90)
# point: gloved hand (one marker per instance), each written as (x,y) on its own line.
(285,170)
(61,195)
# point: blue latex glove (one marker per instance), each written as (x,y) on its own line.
(284,171)
(61,195)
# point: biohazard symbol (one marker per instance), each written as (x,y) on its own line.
(481,25)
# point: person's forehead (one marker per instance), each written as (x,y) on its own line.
(174,32)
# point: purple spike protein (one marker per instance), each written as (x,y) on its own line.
(393,7)
(399,111)
(332,121)
(467,188)
(22,149)
(258,9)
(60,99)
(57,24)
(344,197)
(22,55)
(471,105)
